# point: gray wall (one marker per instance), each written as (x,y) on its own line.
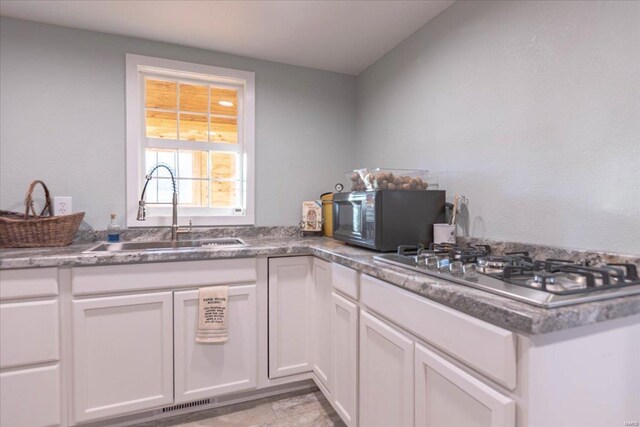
(62,118)
(530,109)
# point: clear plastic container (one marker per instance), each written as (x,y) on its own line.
(388,179)
(113,230)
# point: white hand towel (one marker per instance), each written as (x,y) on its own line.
(212,314)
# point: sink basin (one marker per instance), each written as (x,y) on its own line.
(164,245)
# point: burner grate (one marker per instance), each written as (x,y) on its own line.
(550,275)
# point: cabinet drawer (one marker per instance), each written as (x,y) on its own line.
(28,333)
(485,347)
(30,397)
(136,277)
(34,282)
(345,280)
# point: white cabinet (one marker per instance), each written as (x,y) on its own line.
(434,322)
(29,348)
(321,335)
(448,396)
(30,397)
(386,375)
(122,354)
(290,323)
(344,358)
(205,370)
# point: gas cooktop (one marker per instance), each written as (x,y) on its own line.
(543,283)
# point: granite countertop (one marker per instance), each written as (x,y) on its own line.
(501,311)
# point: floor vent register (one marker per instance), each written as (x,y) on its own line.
(186,405)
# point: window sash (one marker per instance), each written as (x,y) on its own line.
(204,81)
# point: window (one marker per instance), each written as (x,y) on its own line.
(199,121)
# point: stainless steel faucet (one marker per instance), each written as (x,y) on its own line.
(141,210)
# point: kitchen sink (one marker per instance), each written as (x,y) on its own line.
(163,245)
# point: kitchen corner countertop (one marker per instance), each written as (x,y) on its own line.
(501,311)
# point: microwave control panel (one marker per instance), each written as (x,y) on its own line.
(369,217)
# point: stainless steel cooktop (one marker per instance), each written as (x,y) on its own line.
(546,283)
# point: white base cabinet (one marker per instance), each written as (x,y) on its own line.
(290,320)
(322,322)
(205,370)
(30,383)
(122,354)
(386,375)
(344,358)
(448,396)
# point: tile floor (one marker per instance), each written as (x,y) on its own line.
(302,408)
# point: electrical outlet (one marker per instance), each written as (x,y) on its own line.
(61,205)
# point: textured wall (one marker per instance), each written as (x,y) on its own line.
(530,109)
(62,118)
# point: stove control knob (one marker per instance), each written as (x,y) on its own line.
(456,268)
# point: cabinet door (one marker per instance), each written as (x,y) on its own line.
(322,322)
(290,326)
(30,397)
(448,396)
(123,354)
(386,374)
(344,358)
(205,370)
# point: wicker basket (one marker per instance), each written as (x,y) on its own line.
(34,231)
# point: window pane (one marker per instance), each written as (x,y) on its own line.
(151,195)
(163,189)
(193,192)
(161,94)
(150,159)
(194,98)
(193,164)
(154,156)
(224,164)
(167,157)
(223,194)
(193,127)
(224,101)
(224,130)
(162,125)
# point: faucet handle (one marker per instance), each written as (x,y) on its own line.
(185,230)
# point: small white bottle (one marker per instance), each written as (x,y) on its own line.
(113,230)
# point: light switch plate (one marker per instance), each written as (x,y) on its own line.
(62,205)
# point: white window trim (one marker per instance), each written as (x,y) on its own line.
(134,147)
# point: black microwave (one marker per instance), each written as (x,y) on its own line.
(384,219)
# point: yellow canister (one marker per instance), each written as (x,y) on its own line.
(327,214)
